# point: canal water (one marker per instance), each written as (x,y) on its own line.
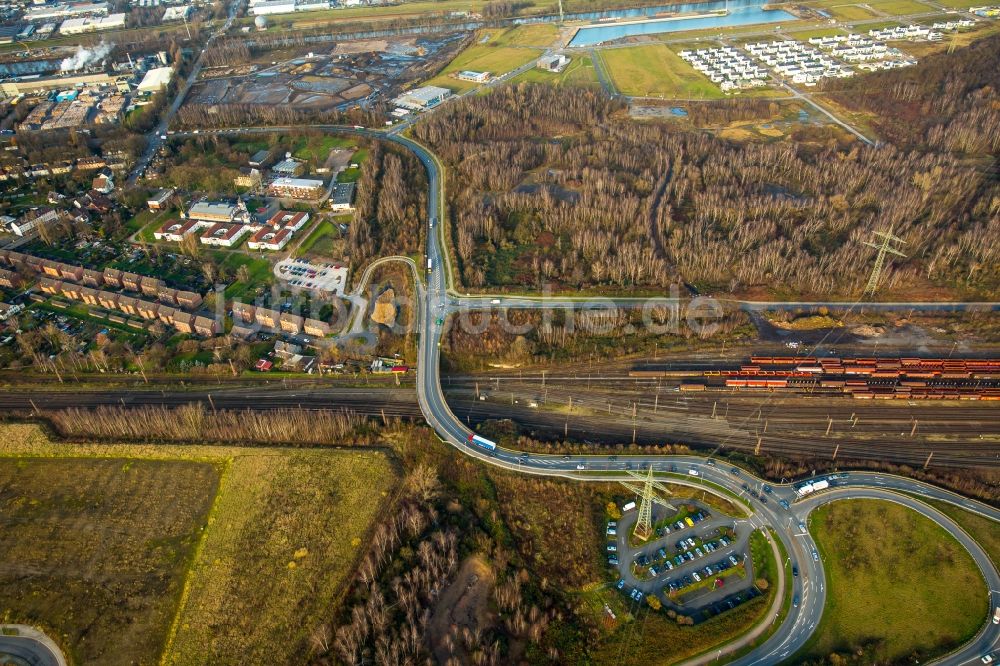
(741,12)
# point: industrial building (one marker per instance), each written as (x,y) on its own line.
(176,13)
(296,188)
(421,99)
(553,63)
(342,199)
(60,10)
(219,211)
(156,79)
(27,85)
(77,26)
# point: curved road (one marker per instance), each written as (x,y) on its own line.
(29,646)
(437,299)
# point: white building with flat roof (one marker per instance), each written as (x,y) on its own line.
(423,98)
(176,13)
(156,79)
(77,26)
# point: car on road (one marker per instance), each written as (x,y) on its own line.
(815,556)
(795,601)
(987,658)
(620,584)
(581,466)
(795,571)
(693,472)
(768,489)
(996,615)
(735,471)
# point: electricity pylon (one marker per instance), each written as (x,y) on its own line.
(647,497)
(883,248)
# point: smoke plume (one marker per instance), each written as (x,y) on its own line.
(85,57)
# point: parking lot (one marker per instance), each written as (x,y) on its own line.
(327,278)
(696,562)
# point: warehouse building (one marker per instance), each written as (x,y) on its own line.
(156,79)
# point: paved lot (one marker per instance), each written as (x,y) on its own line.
(706,530)
(325,278)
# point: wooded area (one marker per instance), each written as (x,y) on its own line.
(948,102)
(609,202)
(389,205)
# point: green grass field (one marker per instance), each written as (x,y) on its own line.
(317,148)
(899,7)
(656,71)
(899,587)
(259,270)
(483,57)
(319,237)
(983,530)
(851,12)
(579,72)
(539,35)
(109,532)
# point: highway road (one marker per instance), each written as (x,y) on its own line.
(801,621)
(437,300)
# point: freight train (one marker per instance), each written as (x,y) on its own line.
(860,378)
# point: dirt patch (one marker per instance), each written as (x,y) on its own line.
(464,605)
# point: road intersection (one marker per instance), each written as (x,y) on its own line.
(438,299)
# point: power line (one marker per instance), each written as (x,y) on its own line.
(647,494)
(884,248)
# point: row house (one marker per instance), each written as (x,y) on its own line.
(243,312)
(316,328)
(88,295)
(183,322)
(50,286)
(107,299)
(149,286)
(291,323)
(131,281)
(9,279)
(206,326)
(267,317)
(128,305)
(189,300)
(148,309)
(113,277)
(92,278)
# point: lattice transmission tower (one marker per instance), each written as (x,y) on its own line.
(884,248)
(647,494)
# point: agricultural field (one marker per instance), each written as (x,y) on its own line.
(265,564)
(881,603)
(80,535)
(656,71)
(486,54)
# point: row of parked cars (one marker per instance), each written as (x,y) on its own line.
(697,576)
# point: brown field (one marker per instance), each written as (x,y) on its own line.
(268,563)
(95,550)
